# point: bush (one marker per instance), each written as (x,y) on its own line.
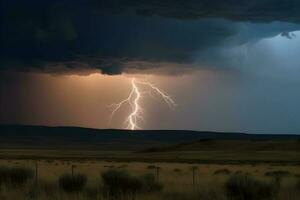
(244,187)
(150,185)
(122,166)
(120,182)
(73,183)
(298,185)
(117,183)
(222,171)
(177,170)
(277,176)
(151,167)
(15,176)
(109,166)
(278,173)
(44,187)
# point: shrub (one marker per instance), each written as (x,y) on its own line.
(298,184)
(151,167)
(122,166)
(120,182)
(15,176)
(150,185)
(177,170)
(277,176)
(46,187)
(240,172)
(222,171)
(109,166)
(244,187)
(73,183)
(117,183)
(279,173)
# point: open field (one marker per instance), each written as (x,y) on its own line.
(51,169)
(171,165)
(214,157)
(176,176)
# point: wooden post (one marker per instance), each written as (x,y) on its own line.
(36,174)
(193,176)
(72,170)
(157,174)
(36,180)
(194,168)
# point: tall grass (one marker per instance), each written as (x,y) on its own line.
(222,172)
(298,184)
(194,195)
(72,183)
(137,182)
(246,187)
(150,184)
(118,183)
(15,176)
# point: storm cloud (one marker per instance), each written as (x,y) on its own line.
(128,36)
(238,62)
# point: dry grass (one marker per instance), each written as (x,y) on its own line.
(176,185)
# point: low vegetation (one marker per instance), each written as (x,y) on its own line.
(15,176)
(194,195)
(277,176)
(94,180)
(298,184)
(222,172)
(117,183)
(72,183)
(245,187)
(150,184)
(278,173)
(120,183)
(177,170)
(151,167)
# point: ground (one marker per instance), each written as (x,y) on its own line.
(213,169)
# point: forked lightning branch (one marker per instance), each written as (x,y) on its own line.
(134,99)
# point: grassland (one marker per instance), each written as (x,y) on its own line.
(175,172)
(238,167)
(181,156)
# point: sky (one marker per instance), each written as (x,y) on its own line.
(229,66)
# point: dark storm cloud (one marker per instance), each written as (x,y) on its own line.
(65,35)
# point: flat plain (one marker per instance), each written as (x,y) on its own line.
(211,171)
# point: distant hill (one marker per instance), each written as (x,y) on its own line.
(19,136)
(231,145)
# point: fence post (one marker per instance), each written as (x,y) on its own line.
(72,168)
(36,174)
(194,168)
(157,173)
(36,180)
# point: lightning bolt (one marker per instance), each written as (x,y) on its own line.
(134,100)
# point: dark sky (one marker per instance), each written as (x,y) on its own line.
(230,65)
